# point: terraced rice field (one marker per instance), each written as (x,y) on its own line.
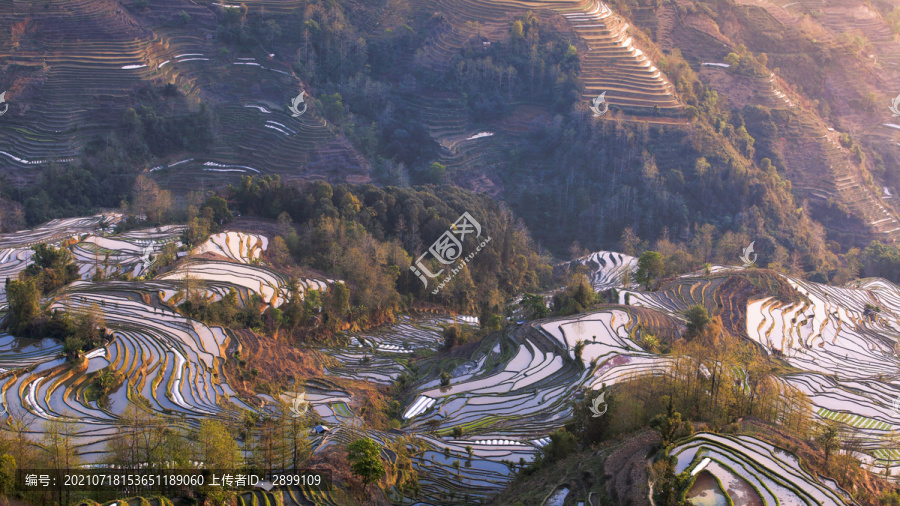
(172,364)
(531,375)
(378,355)
(611,62)
(507,395)
(844,360)
(15,248)
(131,253)
(515,390)
(815,144)
(608,268)
(752,471)
(76,83)
(849,359)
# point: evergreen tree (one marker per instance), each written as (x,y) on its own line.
(650,269)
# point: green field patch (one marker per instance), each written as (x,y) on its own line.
(853,420)
(341,409)
(886,454)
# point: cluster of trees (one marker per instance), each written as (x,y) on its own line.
(80,332)
(537,64)
(362,81)
(353,74)
(103,180)
(706,245)
(227,311)
(152,205)
(877,260)
(149,132)
(578,296)
(50,269)
(24,300)
(54,267)
(456,335)
(104,174)
(309,313)
(576,177)
(148,439)
(369,237)
(743,61)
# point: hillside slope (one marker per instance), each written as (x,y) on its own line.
(73,69)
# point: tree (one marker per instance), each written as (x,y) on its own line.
(51,267)
(59,445)
(562,443)
(436,172)
(669,487)
(584,425)
(215,447)
(7,474)
(339,304)
(333,107)
(830,439)
(452,336)
(198,230)
(279,252)
(533,306)
(629,242)
(220,212)
(516,30)
(297,447)
(697,318)
(363,456)
(650,268)
(107,380)
(149,200)
(579,348)
(266,442)
(577,297)
(668,424)
(23,298)
(90,326)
